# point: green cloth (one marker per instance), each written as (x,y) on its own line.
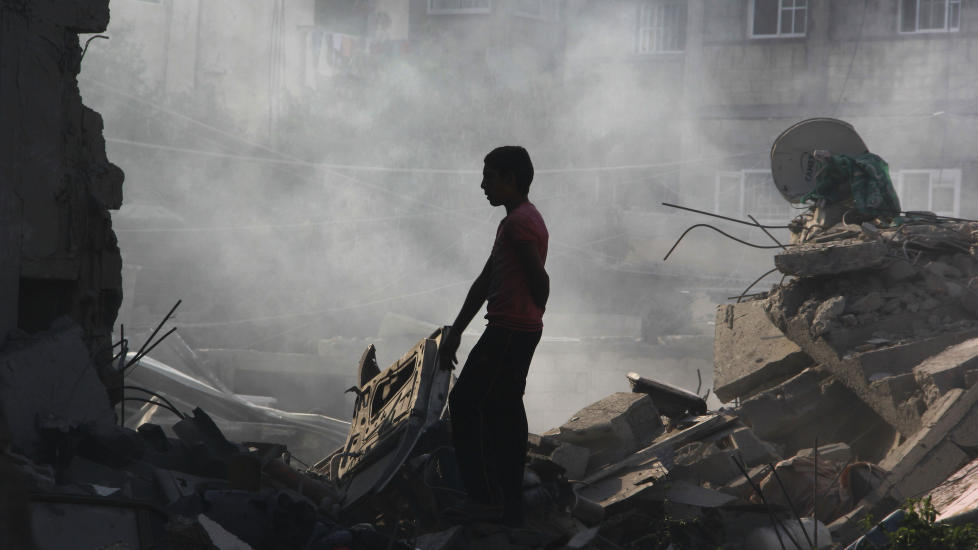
(865,178)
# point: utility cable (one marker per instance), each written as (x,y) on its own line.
(288,161)
(318,312)
(852,59)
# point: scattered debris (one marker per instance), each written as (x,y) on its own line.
(868,347)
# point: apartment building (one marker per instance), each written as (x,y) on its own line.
(721,79)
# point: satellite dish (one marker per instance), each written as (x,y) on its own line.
(793,162)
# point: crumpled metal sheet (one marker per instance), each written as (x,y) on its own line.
(392,409)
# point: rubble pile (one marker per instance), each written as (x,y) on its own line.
(849,389)
(74,478)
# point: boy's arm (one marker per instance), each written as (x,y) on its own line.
(535,272)
(477,295)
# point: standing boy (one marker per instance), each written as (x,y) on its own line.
(489,426)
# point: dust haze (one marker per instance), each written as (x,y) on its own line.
(294,202)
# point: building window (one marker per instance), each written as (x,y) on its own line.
(661,26)
(930,15)
(751,192)
(937,191)
(441,7)
(778,18)
(545,10)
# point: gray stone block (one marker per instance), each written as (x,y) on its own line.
(836,352)
(826,314)
(777,411)
(946,370)
(814,405)
(613,426)
(750,354)
(936,450)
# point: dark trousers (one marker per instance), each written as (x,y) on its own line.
(489,427)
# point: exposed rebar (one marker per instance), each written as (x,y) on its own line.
(157,403)
(721,217)
(791,504)
(757,280)
(158,396)
(729,236)
(140,353)
(774,520)
(766,232)
(135,360)
(89,41)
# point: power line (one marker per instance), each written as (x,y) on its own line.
(320,312)
(301,225)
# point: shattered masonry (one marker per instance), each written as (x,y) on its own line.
(849,388)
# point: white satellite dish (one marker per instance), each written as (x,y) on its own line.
(793,162)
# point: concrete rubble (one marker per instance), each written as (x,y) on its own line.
(848,388)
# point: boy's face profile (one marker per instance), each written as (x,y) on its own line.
(499,189)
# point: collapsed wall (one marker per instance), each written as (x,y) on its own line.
(60,256)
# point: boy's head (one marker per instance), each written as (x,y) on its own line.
(512,159)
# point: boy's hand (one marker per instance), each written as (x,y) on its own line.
(446,351)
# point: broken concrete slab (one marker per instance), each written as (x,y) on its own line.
(705,463)
(750,354)
(855,369)
(958,494)
(927,458)
(808,260)
(668,399)
(627,483)
(777,411)
(694,428)
(814,405)
(900,389)
(946,370)
(612,427)
(48,378)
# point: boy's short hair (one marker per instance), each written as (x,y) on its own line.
(513,159)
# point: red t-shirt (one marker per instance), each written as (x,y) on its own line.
(510,303)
